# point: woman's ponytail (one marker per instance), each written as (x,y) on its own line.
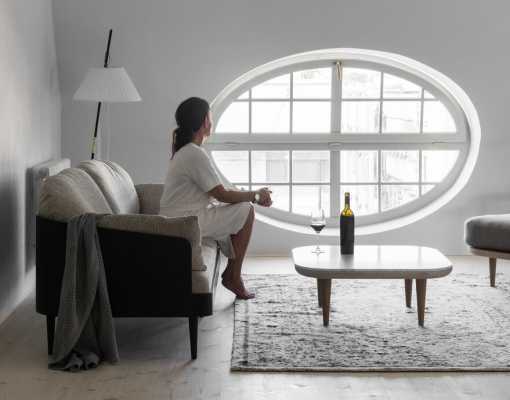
(190,116)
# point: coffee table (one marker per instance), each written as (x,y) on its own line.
(372,262)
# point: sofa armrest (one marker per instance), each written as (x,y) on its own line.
(183,227)
(149,195)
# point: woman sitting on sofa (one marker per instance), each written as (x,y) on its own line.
(192,181)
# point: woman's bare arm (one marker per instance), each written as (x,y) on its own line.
(238,196)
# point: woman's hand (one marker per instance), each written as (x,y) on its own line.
(265,197)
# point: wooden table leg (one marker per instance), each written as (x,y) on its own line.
(492,271)
(325,289)
(319,292)
(421,290)
(409,291)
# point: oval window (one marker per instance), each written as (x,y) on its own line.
(393,132)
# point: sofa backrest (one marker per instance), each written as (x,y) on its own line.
(115,184)
(70,193)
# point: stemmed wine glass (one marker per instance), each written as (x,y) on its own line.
(317,222)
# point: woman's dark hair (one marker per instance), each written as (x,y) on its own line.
(190,116)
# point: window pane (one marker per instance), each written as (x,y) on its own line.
(437,118)
(360,116)
(234,119)
(280,195)
(393,196)
(305,199)
(401,117)
(270,166)
(428,95)
(312,84)
(395,87)
(364,198)
(426,188)
(399,166)
(436,164)
(244,188)
(311,117)
(270,117)
(232,164)
(360,83)
(310,166)
(358,166)
(244,96)
(276,88)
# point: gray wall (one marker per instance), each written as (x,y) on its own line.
(174,49)
(29,132)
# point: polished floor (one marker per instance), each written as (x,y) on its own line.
(155,363)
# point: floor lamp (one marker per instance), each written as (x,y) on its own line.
(106,85)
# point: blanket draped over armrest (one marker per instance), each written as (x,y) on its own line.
(85,331)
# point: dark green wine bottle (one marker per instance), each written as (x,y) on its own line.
(347,227)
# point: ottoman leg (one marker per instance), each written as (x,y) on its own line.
(492,271)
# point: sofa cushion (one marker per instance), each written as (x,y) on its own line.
(491,232)
(149,196)
(115,183)
(70,193)
(202,281)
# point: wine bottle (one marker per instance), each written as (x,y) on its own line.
(347,227)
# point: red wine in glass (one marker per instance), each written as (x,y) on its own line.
(317,222)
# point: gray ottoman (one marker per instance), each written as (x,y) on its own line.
(489,236)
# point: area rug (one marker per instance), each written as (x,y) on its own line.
(467,326)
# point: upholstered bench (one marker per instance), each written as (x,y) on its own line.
(155,266)
(489,236)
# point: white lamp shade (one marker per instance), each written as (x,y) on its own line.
(108,85)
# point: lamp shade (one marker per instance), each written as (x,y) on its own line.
(108,85)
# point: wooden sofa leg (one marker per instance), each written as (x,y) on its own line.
(492,270)
(50,332)
(193,336)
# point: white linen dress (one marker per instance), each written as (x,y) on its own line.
(191,175)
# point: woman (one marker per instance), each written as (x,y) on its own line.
(192,181)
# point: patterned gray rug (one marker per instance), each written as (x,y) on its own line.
(467,326)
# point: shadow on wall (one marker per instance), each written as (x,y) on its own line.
(10,233)
(29,221)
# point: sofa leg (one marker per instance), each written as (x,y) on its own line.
(193,336)
(492,270)
(50,332)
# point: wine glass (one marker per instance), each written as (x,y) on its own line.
(317,223)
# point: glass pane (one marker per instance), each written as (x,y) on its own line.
(358,166)
(395,87)
(426,188)
(280,196)
(437,118)
(364,198)
(276,88)
(393,196)
(232,164)
(234,119)
(311,117)
(310,166)
(360,116)
(401,117)
(244,96)
(305,199)
(428,95)
(270,166)
(244,188)
(399,166)
(436,164)
(360,83)
(312,84)
(270,117)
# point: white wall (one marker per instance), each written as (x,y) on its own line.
(29,133)
(175,49)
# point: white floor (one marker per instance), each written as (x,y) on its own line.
(155,363)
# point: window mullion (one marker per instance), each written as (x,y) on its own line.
(334,191)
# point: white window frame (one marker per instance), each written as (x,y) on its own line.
(465,140)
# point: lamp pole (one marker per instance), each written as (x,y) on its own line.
(106,60)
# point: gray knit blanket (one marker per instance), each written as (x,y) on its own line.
(85,332)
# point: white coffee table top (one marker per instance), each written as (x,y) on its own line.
(372,262)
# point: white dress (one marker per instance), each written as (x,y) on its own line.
(191,175)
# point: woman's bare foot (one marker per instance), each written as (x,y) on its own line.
(238,289)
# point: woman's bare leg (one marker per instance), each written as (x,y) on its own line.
(232,275)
